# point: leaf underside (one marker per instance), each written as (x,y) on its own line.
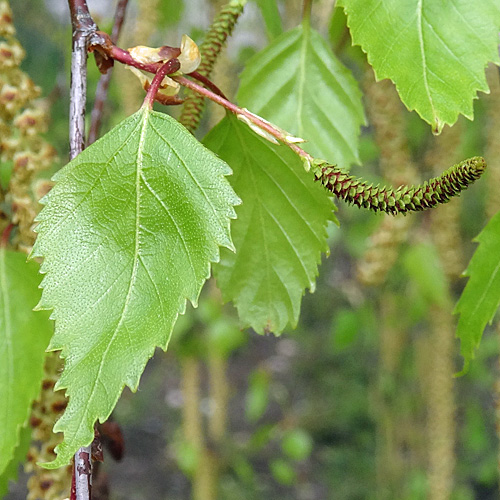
(297,83)
(481,296)
(280,231)
(435,52)
(127,235)
(24,335)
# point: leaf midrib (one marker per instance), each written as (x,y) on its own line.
(135,260)
(424,59)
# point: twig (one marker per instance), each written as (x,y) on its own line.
(208,83)
(101,93)
(279,134)
(171,66)
(83,28)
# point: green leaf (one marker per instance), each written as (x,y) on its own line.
(435,52)
(127,235)
(169,12)
(297,83)
(6,168)
(271,16)
(346,327)
(297,444)
(24,335)
(257,396)
(481,296)
(424,268)
(10,473)
(280,231)
(282,471)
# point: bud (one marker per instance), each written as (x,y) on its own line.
(190,56)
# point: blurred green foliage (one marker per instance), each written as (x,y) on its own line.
(304,411)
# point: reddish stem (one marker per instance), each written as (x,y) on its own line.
(241,111)
(4,239)
(208,83)
(171,66)
(124,57)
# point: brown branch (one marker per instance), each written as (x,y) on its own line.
(83,28)
(101,93)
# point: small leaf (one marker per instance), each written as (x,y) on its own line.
(280,232)
(435,52)
(127,235)
(481,296)
(297,83)
(424,268)
(24,335)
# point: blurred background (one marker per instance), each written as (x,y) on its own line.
(359,401)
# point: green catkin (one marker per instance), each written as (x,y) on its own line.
(356,191)
(214,42)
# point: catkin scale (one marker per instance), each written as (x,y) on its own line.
(404,199)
